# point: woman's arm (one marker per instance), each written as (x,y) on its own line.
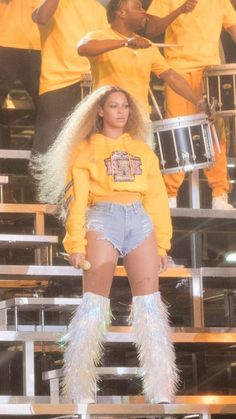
(76,201)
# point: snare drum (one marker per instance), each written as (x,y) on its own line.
(219,86)
(184,143)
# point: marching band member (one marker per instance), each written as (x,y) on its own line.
(199,34)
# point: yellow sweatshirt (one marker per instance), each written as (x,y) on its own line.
(123,171)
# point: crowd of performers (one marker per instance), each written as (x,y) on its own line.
(93,157)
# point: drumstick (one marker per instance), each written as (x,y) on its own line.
(163,45)
(84,264)
(215,137)
(212,126)
(155,102)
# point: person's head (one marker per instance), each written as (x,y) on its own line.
(130,12)
(115,111)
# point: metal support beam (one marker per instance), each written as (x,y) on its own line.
(197,296)
(196,249)
(194,189)
(28,369)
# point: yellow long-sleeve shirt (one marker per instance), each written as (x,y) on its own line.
(122,171)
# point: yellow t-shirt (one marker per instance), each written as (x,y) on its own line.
(124,67)
(106,170)
(17,30)
(198,32)
(61,64)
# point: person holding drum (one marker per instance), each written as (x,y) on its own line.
(199,34)
(107,184)
(61,23)
(119,57)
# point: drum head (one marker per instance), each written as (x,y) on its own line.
(180,121)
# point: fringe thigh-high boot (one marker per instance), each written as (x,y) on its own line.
(83,345)
(151,329)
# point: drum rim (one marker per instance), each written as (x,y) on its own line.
(226,113)
(197,166)
(164,123)
(220,67)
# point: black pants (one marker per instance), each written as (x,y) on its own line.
(21,64)
(53,108)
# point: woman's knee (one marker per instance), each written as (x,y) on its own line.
(143,286)
(96,287)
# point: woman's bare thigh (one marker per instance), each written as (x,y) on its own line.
(103,258)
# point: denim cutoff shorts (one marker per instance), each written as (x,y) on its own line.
(125,226)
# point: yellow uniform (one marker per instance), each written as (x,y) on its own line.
(125,67)
(19,48)
(122,171)
(17,30)
(61,64)
(198,33)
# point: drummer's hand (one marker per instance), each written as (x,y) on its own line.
(76,259)
(189,5)
(202,106)
(139,42)
(212,116)
(163,263)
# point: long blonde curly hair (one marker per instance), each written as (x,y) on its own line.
(50,170)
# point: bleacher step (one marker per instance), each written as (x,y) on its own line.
(15,154)
(202,405)
(8,241)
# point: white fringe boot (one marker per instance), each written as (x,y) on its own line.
(83,345)
(156,353)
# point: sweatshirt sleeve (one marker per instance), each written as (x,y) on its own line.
(155,202)
(76,201)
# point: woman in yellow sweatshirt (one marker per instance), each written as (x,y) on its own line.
(107,183)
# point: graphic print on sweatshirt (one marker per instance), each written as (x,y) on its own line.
(123,166)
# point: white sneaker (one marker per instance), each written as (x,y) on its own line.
(221,202)
(172,202)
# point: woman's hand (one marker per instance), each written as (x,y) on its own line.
(163,263)
(77,260)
